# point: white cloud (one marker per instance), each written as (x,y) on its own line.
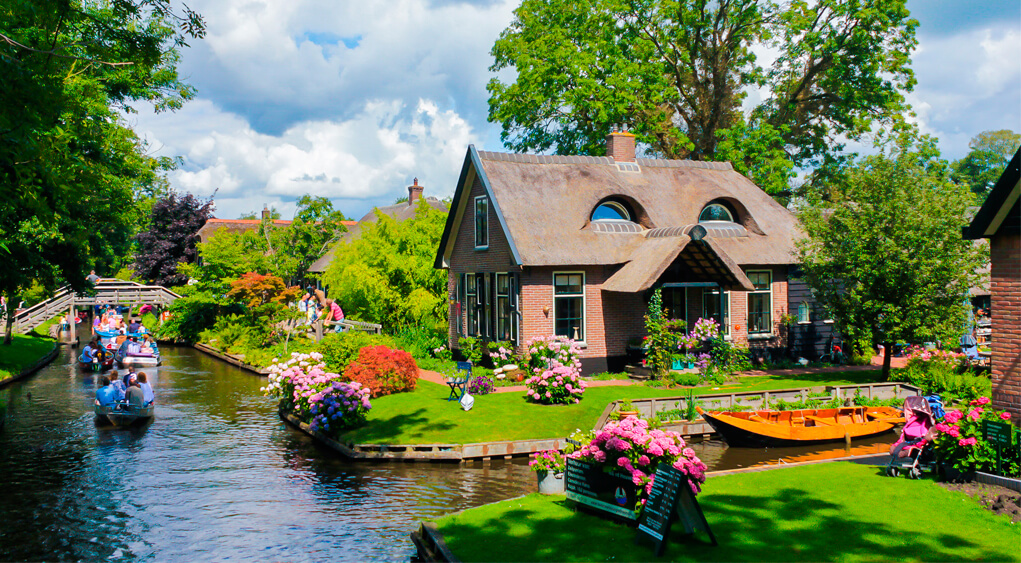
(365,161)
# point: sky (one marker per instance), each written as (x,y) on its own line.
(352,100)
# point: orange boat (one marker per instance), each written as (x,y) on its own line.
(799,428)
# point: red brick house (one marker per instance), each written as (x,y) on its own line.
(573,245)
(999,220)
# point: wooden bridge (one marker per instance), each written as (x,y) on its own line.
(108,291)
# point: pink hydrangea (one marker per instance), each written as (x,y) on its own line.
(1005,415)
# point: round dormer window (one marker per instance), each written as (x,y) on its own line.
(611,211)
(715,212)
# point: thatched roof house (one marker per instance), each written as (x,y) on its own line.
(571,245)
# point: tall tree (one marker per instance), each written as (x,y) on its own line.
(386,275)
(315,228)
(885,257)
(677,72)
(70,169)
(170,238)
(982,166)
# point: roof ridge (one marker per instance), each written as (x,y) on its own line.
(524,158)
(669,163)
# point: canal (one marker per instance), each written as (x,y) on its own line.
(217,475)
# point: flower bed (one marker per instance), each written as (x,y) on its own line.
(631,445)
(556,365)
(315,396)
(959,442)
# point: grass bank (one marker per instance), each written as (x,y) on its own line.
(424,416)
(827,512)
(23,352)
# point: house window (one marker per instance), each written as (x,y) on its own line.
(472,304)
(481,222)
(716,306)
(569,305)
(760,303)
(503,311)
(715,212)
(803,313)
(675,303)
(611,211)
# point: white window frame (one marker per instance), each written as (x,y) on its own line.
(808,315)
(584,304)
(471,302)
(475,216)
(747,308)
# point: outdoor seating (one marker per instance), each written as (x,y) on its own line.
(459,382)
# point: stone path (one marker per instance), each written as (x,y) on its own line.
(877,361)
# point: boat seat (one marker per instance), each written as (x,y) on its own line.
(819,420)
(757,418)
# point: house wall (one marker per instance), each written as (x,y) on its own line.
(1005,277)
(810,338)
(739,310)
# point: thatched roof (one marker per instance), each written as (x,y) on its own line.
(399,211)
(702,259)
(545,203)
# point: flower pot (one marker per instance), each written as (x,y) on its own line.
(550,483)
(625,414)
(676,364)
(950,474)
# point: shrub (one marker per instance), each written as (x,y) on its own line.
(559,385)
(545,352)
(959,440)
(297,379)
(191,315)
(472,349)
(418,341)
(502,354)
(631,445)
(338,407)
(383,370)
(480,385)
(339,349)
(685,378)
(937,372)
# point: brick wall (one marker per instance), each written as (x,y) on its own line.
(1005,275)
(464,258)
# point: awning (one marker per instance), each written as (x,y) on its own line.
(702,260)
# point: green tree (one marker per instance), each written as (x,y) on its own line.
(73,176)
(316,227)
(386,275)
(885,256)
(985,162)
(677,73)
(226,257)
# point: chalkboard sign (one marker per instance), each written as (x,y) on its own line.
(671,498)
(610,492)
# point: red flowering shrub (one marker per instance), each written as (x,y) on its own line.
(383,370)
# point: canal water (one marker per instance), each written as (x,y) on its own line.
(219,476)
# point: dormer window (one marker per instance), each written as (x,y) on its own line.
(612,211)
(715,212)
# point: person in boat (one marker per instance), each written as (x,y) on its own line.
(143,382)
(89,351)
(118,386)
(134,395)
(919,427)
(106,395)
(147,348)
(135,326)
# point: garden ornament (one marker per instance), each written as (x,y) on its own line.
(467,402)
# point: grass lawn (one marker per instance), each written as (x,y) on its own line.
(23,352)
(424,416)
(825,512)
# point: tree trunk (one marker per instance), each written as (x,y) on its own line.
(887,353)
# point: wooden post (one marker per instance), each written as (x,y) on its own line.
(319,330)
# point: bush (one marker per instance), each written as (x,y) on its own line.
(472,349)
(192,314)
(558,385)
(942,373)
(685,378)
(959,440)
(418,341)
(384,370)
(338,407)
(480,385)
(341,348)
(547,352)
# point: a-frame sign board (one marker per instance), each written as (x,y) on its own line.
(671,499)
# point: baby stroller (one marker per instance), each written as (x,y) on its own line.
(912,453)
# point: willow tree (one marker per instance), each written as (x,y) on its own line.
(885,256)
(677,72)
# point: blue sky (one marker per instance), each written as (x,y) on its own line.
(352,100)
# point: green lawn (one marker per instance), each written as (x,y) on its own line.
(425,416)
(23,352)
(825,512)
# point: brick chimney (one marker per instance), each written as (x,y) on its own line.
(620,146)
(265,212)
(414,192)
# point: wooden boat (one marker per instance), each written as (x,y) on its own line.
(96,366)
(127,359)
(124,415)
(798,428)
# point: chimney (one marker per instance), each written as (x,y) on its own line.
(620,146)
(414,192)
(265,212)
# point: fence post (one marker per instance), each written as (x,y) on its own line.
(319,330)
(72,331)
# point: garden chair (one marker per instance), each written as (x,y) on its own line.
(459,382)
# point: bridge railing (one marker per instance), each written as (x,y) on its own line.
(107,292)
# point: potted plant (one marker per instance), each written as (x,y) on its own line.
(549,466)
(626,409)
